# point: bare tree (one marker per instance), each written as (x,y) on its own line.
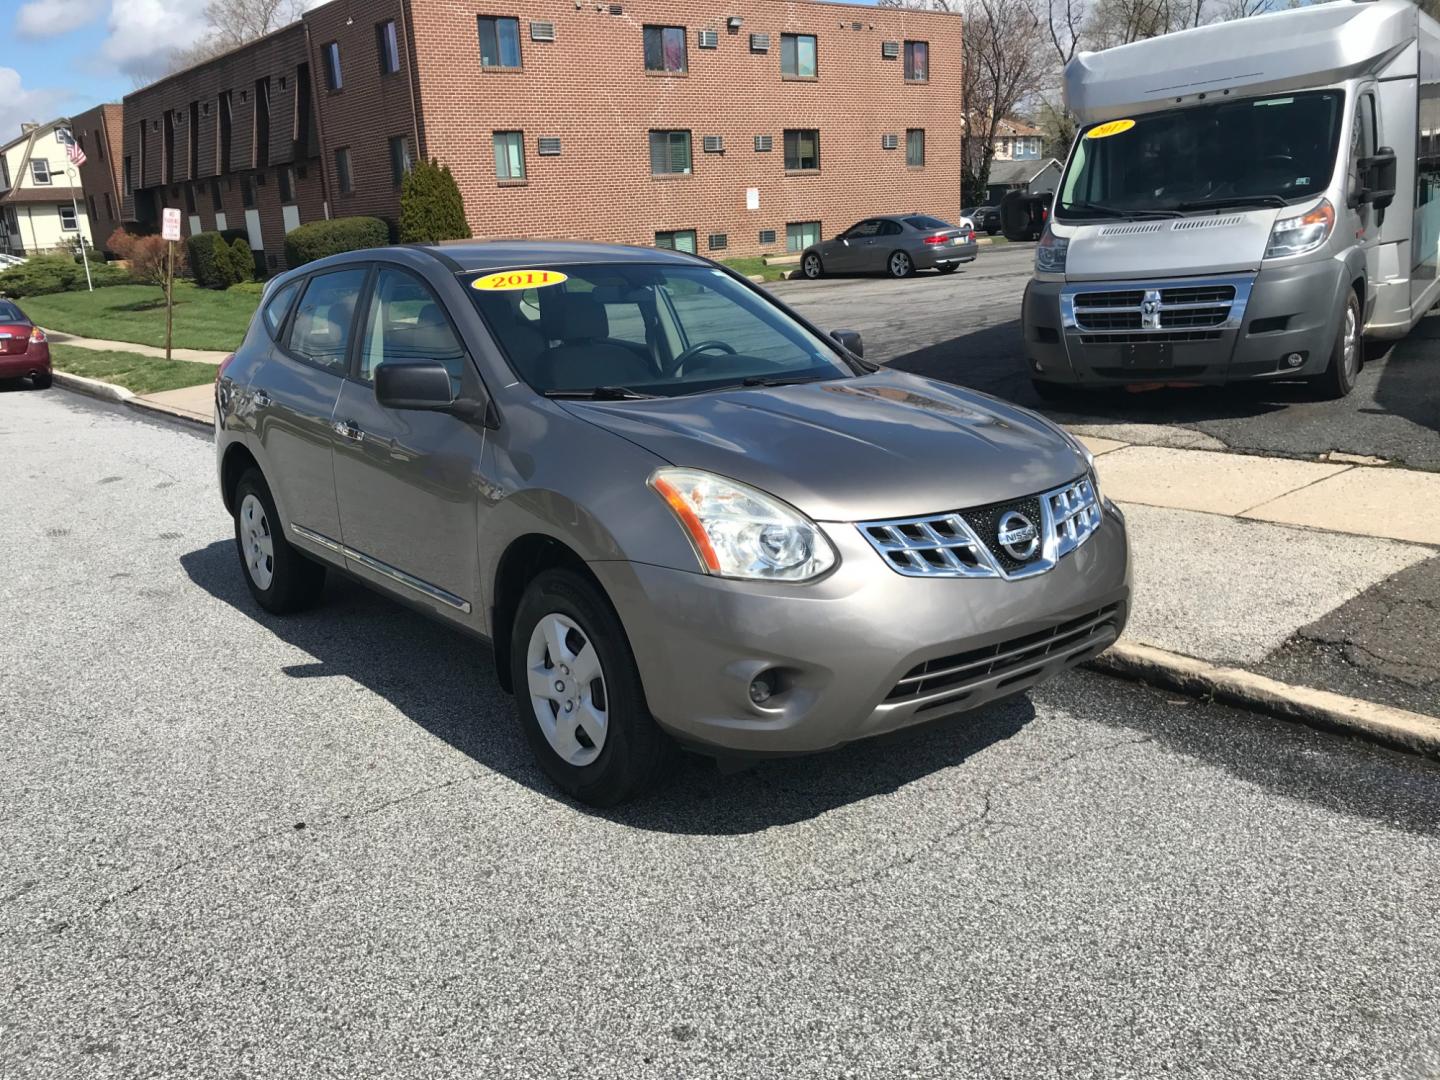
(1004,46)
(232,23)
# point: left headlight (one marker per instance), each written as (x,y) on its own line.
(740,532)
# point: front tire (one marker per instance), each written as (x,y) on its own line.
(1340,376)
(280,578)
(900,265)
(1051,391)
(578,693)
(812,267)
(43,380)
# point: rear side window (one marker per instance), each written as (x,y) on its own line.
(922,222)
(279,306)
(10,313)
(320,332)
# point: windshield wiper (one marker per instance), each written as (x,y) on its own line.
(1115,211)
(1233,200)
(758,380)
(599,393)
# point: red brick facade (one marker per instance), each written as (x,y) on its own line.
(589,89)
(99,133)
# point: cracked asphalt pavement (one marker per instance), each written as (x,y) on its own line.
(965,328)
(239,846)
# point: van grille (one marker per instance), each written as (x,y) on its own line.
(1166,309)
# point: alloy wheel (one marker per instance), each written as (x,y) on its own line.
(259,545)
(812,266)
(567,689)
(899,264)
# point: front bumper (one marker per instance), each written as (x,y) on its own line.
(933,256)
(845,650)
(1281,312)
(33,361)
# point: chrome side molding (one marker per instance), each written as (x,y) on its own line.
(410,581)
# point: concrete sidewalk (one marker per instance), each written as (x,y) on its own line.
(202,356)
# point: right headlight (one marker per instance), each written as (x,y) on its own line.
(1301,233)
(1050,253)
(740,532)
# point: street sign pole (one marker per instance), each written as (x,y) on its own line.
(170,230)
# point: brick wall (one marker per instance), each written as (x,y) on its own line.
(100,132)
(589,87)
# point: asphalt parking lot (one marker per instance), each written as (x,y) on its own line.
(965,328)
(233,845)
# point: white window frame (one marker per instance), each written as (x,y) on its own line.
(41,163)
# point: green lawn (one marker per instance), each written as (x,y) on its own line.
(204,319)
(756,265)
(142,374)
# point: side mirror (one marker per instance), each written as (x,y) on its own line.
(1379,173)
(849,340)
(413,384)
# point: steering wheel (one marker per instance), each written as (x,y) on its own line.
(695,350)
(1277,162)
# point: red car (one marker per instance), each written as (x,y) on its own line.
(23,348)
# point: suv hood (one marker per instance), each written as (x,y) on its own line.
(886,445)
(1231,241)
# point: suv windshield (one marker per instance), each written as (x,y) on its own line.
(646,328)
(1253,151)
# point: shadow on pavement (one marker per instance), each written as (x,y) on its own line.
(442,680)
(1409,384)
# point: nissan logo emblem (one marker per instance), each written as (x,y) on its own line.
(1018,536)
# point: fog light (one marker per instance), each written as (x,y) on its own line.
(1295,359)
(762,688)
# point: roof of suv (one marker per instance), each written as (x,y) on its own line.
(470,255)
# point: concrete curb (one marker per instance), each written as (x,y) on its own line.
(110,392)
(1398,729)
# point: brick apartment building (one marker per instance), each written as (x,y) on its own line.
(740,128)
(98,131)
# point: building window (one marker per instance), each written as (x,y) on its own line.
(216,203)
(509,155)
(767,237)
(40,170)
(109,207)
(669,153)
(334,80)
(915,146)
(129,177)
(100,144)
(90,205)
(676,240)
(4,174)
(67,218)
(499,42)
(223,132)
(802,150)
(189,200)
(718,241)
(917,61)
(343,176)
(797,56)
(247,193)
(800,235)
(388,46)
(400,162)
(665,49)
(287,183)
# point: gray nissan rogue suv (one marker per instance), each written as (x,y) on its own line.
(676,510)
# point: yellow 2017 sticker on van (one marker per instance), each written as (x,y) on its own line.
(1114,127)
(518,279)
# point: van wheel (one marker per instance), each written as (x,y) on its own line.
(280,578)
(1339,377)
(578,693)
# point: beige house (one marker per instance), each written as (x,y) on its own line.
(42,205)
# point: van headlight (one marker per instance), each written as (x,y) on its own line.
(740,532)
(1050,253)
(1301,233)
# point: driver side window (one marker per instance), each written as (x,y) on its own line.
(407,322)
(1362,139)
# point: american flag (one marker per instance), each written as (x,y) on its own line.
(72,145)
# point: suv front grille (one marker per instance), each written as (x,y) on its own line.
(1162,309)
(956,675)
(968,543)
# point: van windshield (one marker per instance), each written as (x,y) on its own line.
(645,329)
(1245,152)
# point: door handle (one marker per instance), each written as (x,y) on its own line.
(263,399)
(347,429)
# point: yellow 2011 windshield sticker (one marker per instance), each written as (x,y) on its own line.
(518,279)
(1113,127)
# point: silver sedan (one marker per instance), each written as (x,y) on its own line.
(894,244)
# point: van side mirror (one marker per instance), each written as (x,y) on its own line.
(413,384)
(1378,172)
(850,341)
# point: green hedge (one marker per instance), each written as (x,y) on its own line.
(44,274)
(220,260)
(321,238)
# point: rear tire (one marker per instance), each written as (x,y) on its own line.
(281,579)
(811,266)
(899,265)
(578,693)
(948,268)
(1346,356)
(43,380)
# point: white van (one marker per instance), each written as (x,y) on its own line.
(1229,209)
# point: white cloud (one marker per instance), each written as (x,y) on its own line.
(49,18)
(18,104)
(145,34)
